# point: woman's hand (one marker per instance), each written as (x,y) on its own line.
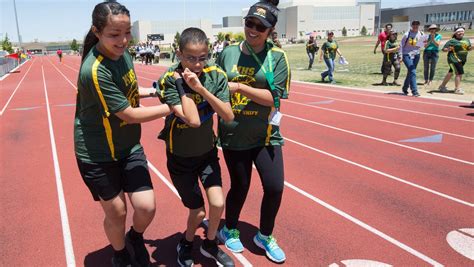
(234,87)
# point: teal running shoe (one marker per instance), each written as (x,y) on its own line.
(231,239)
(269,244)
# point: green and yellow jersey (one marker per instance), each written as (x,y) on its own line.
(329,49)
(390,45)
(458,50)
(182,140)
(251,127)
(105,87)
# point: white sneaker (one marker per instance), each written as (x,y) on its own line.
(459,91)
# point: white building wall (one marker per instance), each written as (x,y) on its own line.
(367,15)
(142,28)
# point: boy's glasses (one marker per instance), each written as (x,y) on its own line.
(194,60)
(252,25)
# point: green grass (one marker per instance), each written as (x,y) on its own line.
(364,68)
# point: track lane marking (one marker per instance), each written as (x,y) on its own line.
(68,247)
(18,86)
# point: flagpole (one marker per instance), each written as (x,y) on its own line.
(17,27)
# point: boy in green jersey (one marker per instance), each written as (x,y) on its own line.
(458,48)
(195,89)
(391,58)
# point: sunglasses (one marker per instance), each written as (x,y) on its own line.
(194,60)
(252,25)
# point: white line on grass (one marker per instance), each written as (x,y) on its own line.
(381,140)
(377,119)
(68,248)
(386,107)
(18,86)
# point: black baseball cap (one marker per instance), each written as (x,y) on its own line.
(415,22)
(262,12)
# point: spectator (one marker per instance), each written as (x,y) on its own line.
(157,54)
(381,40)
(410,52)
(311,49)
(226,41)
(173,52)
(59,52)
(458,48)
(430,55)
(275,39)
(329,50)
(390,58)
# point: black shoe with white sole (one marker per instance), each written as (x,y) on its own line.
(210,250)
(184,250)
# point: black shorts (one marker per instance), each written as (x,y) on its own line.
(106,180)
(457,68)
(186,171)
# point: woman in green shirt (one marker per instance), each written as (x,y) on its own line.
(458,48)
(329,50)
(259,76)
(107,131)
(430,54)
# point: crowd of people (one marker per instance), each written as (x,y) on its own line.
(244,87)
(147,53)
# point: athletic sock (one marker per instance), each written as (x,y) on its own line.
(134,234)
(121,253)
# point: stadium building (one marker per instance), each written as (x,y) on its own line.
(447,16)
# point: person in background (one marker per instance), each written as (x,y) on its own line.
(458,48)
(275,39)
(410,53)
(311,49)
(59,52)
(156,55)
(390,58)
(329,50)
(382,39)
(430,54)
(226,41)
(173,52)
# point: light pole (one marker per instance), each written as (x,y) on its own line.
(17,27)
(380,16)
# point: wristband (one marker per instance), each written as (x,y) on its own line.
(179,87)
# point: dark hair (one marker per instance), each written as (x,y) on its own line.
(389,24)
(194,36)
(100,17)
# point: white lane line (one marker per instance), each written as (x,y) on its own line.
(18,86)
(386,107)
(383,174)
(337,89)
(381,140)
(366,226)
(69,81)
(68,248)
(381,120)
(238,256)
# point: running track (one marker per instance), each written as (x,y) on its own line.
(353,190)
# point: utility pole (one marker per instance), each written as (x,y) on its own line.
(380,17)
(17,27)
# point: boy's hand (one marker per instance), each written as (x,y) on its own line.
(234,87)
(193,81)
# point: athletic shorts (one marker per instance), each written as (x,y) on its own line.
(106,180)
(186,171)
(457,68)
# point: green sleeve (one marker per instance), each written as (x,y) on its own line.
(282,75)
(106,91)
(324,47)
(222,91)
(169,92)
(469,43)
(438,37)
(385,48)
(447,44)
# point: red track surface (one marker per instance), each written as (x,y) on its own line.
(354,191)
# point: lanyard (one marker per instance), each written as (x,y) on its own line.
(268,73)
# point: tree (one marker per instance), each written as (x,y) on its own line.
(7,45)
(74,45)
(363,31)
(344,31)
(239,37)
(220,36)
(132,42)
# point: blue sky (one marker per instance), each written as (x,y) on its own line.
(54,20)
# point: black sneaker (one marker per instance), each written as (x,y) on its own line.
(210,250)
(141,253)
(121,261)
(184,250)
